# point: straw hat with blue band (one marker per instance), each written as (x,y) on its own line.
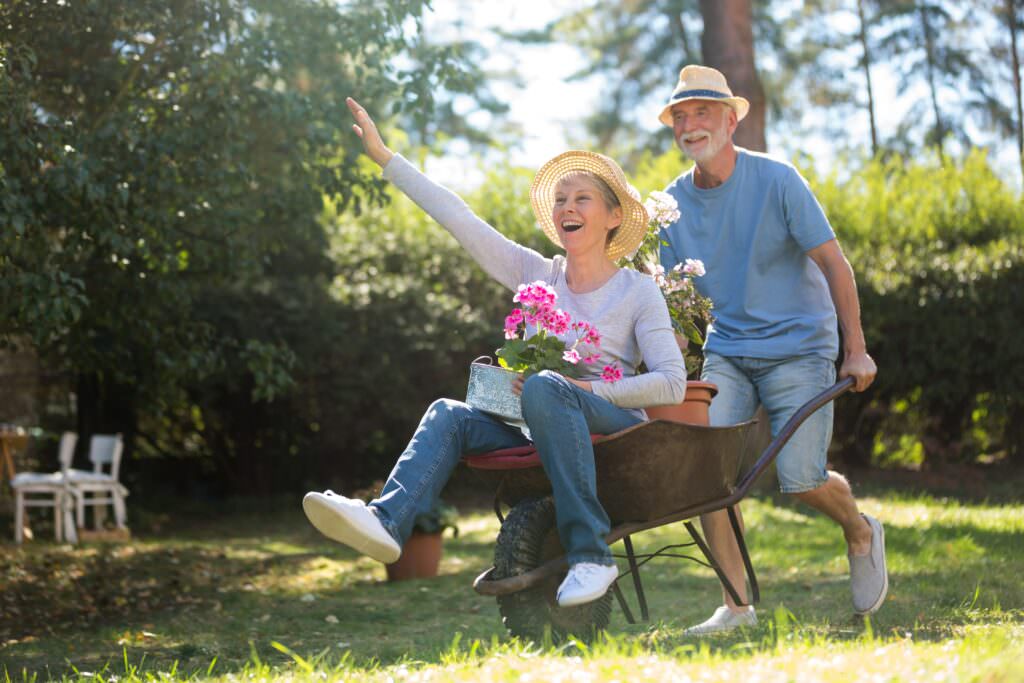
(703,83)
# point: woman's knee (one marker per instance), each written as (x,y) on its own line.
(448,411)
(544,392)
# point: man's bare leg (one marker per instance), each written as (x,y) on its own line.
(835,499)
(718,532)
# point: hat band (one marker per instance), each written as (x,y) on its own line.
(714,94)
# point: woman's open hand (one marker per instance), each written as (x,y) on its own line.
(366,129)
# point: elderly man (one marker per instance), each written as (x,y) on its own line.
(778,280)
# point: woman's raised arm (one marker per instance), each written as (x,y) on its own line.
(367,131)
(504,260)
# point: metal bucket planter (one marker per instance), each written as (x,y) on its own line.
(490,390)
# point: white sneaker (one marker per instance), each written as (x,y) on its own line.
(350,522)
(585,582)
(724,619)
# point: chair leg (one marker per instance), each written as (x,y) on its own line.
(119,509)
(67,511)
(19,517)
(99,515)
(58,517)
(80,509)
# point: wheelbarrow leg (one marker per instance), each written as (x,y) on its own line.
(634,569)
(713,563)
(626,612)
(738,533)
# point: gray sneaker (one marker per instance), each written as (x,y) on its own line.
(723,620)
(869,580)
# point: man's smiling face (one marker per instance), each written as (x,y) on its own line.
(702,128)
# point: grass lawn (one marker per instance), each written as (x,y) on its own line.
(249,590)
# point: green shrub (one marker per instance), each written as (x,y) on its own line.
(939,256)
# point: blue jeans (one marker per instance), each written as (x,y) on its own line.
(560,417)
(782,386)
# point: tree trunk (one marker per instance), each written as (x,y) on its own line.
(728,45)
(866,63)
(929,46)
(1011,22)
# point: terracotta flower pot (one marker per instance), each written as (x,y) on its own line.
(421,557)
(693,409)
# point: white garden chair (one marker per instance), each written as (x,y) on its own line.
(47,489)
(100,487)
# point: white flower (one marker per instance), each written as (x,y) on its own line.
(694,267)
(662,208)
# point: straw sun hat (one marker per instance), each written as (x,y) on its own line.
(634,216)
(703,83)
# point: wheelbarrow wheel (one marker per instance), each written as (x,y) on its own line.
(527,539)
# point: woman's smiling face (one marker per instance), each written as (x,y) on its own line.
(582,215)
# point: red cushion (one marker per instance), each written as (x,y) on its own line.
(518,458)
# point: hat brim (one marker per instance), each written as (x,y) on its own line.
(740,105)
(635,220)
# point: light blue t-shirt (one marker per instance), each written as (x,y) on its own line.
(753,233)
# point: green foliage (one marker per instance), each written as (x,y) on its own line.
(538,352)
(939,254)
(411,312)
(163,169)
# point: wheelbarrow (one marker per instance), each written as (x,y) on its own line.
(652,474)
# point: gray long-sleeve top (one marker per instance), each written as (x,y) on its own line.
(628,310)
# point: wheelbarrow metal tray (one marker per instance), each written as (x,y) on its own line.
(649,470)
(659,467)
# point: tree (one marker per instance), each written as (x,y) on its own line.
(1011,14)
(727,44)
(928,43)
(163,169)
(828,41)
(640,46)
(865,63)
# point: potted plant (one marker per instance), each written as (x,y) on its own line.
(421,553)
(526,353)
(689,310)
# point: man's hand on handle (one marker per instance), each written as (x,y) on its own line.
(861,367)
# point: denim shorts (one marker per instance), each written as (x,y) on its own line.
(782,386)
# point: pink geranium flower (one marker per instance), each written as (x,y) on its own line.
(556,335)
(557,321)
(611,373)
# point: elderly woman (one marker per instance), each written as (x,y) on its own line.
(586,207)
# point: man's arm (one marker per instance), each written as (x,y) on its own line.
(843,288)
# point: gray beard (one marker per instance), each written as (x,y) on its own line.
(713,148)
